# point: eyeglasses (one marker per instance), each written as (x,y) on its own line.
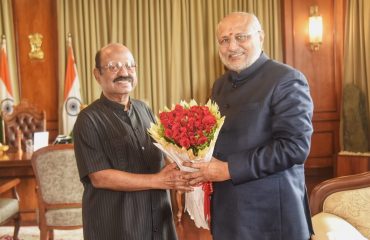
(239,38)
(115,67)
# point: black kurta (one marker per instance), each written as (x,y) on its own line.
(107,137)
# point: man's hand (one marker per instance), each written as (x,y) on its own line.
(213,171)
(170,177)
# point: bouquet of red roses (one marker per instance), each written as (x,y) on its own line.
(188,132)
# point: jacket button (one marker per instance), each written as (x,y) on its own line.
(227,105)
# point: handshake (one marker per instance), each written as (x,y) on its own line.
(197,185)
(212,171)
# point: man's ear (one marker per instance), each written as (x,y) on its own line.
(262,36)
(96,73)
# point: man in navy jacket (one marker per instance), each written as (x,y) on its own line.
(257,167)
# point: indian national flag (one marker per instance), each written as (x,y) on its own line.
(72,95)
(6,92)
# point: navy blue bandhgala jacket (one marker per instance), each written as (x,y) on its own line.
(265,140)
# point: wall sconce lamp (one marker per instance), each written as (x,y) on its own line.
(315,28)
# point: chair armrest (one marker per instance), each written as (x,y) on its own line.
(328,187)
(327,226)
(9,185)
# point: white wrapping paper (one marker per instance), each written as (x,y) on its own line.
(194,205)
(194,201)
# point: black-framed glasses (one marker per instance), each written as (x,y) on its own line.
(115,67)
(239,38)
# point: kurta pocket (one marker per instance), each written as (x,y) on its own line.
(120,151)
(259,204)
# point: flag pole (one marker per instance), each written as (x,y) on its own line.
(69,41)
(3,43)
(69,45)
(3,39)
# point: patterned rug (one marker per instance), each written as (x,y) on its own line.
(33,233)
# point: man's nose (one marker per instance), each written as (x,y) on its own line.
(123,71)
(233,44)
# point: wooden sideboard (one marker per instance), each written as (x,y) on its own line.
(18,165)
(349,163)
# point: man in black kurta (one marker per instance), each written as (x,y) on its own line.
(124,187)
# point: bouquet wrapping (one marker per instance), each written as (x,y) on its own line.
(188,132)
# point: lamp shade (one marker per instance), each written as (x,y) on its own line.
(315,28)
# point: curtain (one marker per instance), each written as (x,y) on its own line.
(7,30)
(356,92)
(173,42)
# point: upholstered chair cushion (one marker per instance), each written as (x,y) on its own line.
(58,175)
(8,207)
(353,206)
(331,227)
(63,217)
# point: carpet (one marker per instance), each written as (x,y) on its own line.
(33,233)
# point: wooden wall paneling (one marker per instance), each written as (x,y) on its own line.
(352,163)
(323,69)
(38,79)
(323,145)
(318,66)
(321,161)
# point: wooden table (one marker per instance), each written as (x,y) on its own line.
(18,165)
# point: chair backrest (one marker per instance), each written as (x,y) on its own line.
(56,174)
(347,197)
(26,118)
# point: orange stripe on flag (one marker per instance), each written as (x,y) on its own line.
(4,71)
(70,73)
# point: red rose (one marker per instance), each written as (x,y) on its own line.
(184,142)
(189,127)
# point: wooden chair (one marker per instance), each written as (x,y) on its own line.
(341,206)
(9,207)
(59,189)
(22,123)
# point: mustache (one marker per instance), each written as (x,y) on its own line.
(124,78)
